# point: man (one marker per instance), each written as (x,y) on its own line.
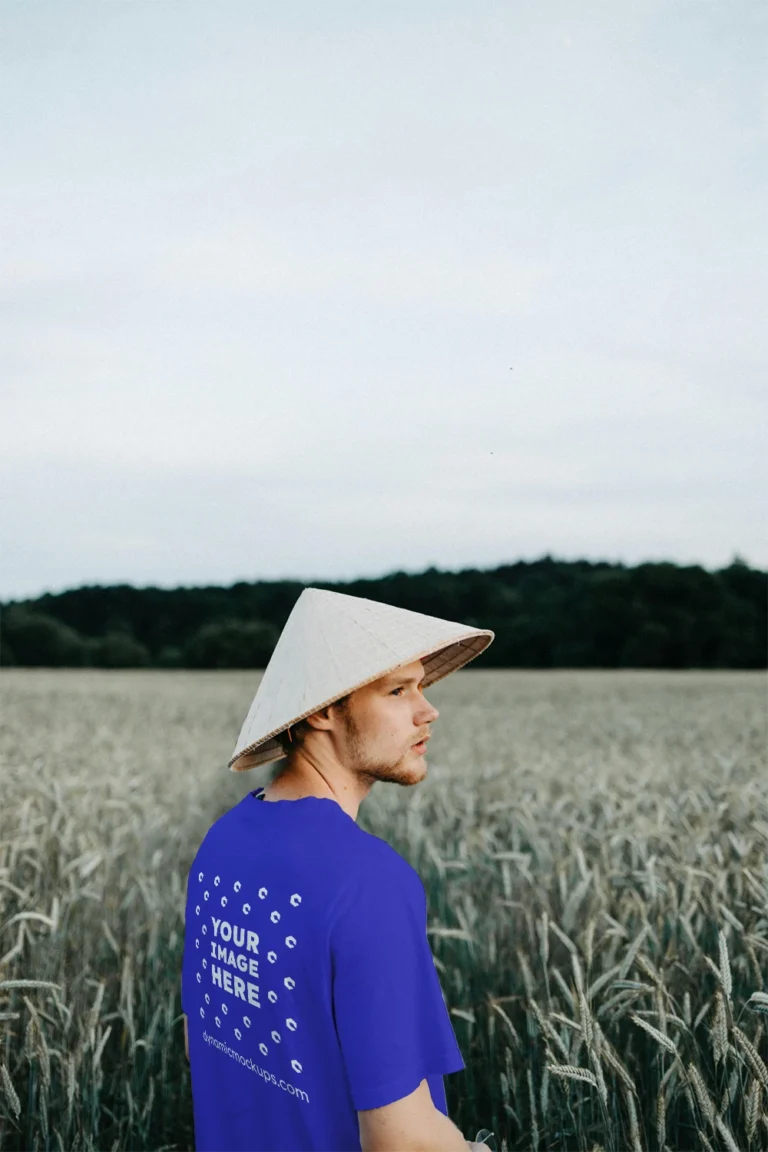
(314,1015)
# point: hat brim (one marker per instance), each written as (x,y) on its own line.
(439,662)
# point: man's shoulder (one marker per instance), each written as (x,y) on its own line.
(223,829)
(380,867)
(379,853)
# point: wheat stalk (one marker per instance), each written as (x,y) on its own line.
(562,936)
(28,984)
(42,1112)
(752,1108)
(544,940)
(725,965)
(661,1119)
(102,1044)
(571,1072)
(634,1130)
(719,1030)
(532,1102)
(602,1088)
(613,1061)
(726,1134)
(705,1100)
(632,951)
(659,1037)
(752,1056)
(586,1020)
(10,1091)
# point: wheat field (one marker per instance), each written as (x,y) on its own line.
(594,846)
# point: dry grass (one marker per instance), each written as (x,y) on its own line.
(594,848)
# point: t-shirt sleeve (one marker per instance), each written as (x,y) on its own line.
(391,1019)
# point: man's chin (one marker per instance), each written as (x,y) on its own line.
(413,773)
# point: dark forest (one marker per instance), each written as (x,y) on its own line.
(546,613)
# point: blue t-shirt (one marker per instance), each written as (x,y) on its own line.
(308,982)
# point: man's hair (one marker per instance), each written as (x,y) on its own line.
(300,729)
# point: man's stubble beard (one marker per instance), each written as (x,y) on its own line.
(368,769)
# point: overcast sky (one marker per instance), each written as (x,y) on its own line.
(328,290)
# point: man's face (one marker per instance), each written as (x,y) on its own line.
(381,724)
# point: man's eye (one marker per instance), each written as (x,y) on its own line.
(396,690)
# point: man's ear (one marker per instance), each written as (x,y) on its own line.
(321,719)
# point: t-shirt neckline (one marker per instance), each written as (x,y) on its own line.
(300,800)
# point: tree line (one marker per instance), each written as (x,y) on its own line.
(546,613)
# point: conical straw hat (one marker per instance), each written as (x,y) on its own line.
(333,644)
